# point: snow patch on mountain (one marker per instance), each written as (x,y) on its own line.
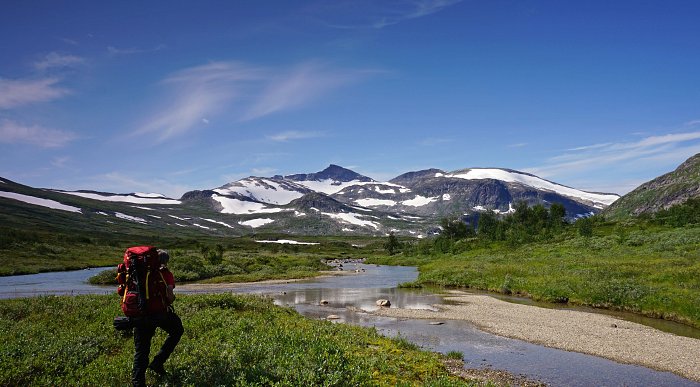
(124,198)
(178,218)
(418,201)
(149,195)
(290,242)
(330,186)
(39,202)
(204,227)
(264,190)
(446,197)
(218,222)
(532,181)
(352,219)
(240,207)
(369,202)
(130,218)
(255,223)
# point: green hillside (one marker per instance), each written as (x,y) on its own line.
(661,193)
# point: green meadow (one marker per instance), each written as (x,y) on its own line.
(229,340)
(639,267)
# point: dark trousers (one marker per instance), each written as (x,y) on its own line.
(144,330)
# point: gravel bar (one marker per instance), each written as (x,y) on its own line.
(590,333)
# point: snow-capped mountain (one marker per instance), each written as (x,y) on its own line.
(428,194)
(333,201)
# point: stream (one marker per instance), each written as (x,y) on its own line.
(351,296)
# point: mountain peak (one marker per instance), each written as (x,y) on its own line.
(332,172)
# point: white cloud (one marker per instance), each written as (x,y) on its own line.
(264,171)
(635,157)
(12,132)
(293,135)
(133,50)
(432,141)
(373,14)
(239,90)
(518,145)
(56,60)
(201,91)
(18,92)
(117,182)
(60,162)
(296,88)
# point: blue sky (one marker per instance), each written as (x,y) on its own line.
(172,96)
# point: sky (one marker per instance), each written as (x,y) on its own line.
(171,96)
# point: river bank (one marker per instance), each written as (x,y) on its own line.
(589,333)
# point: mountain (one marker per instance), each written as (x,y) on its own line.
(434,193)
(333,201)
(660,193)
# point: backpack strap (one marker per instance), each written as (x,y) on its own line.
(126,289)
(148,274)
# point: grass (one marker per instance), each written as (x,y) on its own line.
(229,340)
(654,271)
(27,252)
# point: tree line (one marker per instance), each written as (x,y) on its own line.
(525,224)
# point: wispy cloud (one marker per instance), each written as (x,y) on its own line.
(376,15)
(19,92)
(60,162)
(296,87)
(12,132)
(118,182)
(518,145)
(670,148)
(55,60)
(263,171)
(133,50)
(197,95)
(433,141)
(293,135)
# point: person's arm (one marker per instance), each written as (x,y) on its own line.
(169,286)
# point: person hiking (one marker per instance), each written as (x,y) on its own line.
(145,328)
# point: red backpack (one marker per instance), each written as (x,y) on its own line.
(141,283)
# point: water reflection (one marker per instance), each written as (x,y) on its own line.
(58,283)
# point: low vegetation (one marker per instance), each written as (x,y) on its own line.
(648,265)
(229,340)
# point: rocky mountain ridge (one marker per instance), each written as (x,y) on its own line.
(334,200)
(660,193)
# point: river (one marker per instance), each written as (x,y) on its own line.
(351,296)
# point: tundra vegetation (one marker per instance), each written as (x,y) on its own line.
(229,340)
(648,265)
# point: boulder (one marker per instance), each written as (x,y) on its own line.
(384,303)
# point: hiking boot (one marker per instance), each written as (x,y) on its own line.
(157,368)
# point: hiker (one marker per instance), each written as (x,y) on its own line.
(145,328)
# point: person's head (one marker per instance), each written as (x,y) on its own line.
(163,257)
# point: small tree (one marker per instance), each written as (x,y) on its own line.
(557,214)
(455,228)
(585,227)
(488,225)
(392,244)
